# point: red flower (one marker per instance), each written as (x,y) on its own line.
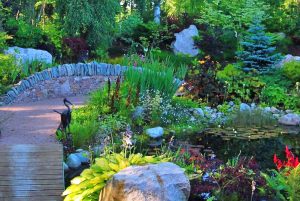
(292,161)
(277,162)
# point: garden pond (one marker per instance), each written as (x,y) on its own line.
(258,142)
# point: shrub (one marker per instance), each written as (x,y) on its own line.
(292,70)
(202,81)
(257,53)
(24,34)
(128,23)
(273,95)
(9,71)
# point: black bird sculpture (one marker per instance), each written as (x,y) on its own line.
(65,116)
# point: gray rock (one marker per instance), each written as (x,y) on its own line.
(253,106)
(290,120)
(83,156)
(274,110)
(66,88)
(244,107)
(27,55)
(73,161)
(98,149)
(155,132)
(66,167)
(184,42)
(267,109)
(199,112)
(289,111)
(287,58)
(231,104)
(158,182)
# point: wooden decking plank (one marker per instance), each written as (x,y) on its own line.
(31,172)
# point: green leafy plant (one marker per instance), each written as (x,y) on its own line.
(91,181)
(24,34)
(292,70)
(9,71)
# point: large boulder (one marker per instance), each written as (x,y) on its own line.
(73,161)
(287,58)
(244,107)
(159,182)
(156,132)
(27,55)
(184,42)
(290,120)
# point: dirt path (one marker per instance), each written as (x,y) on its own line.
(32,123)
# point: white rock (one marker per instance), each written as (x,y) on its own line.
(267,109)
(274,110)
(27,55)
(199,111)
(286,59)
(290,120)
(244,107)
(184,42)
(159,182)
(73,161)
(83,156)
(155,132)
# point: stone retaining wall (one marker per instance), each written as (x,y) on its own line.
(65,80)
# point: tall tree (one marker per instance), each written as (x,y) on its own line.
(257,53)
(91,19)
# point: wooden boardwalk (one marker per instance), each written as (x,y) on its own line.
(31,172)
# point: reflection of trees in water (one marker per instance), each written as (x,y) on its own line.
(262,150)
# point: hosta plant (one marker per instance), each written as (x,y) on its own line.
(88,185)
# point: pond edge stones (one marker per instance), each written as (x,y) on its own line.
(290,119)
(155,133)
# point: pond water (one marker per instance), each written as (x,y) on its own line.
(258,142)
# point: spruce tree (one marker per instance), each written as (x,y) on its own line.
(257,53)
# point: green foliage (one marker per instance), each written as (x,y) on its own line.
(185,102)
(230,72)
(277,96)
(292,70)
(24,34)
(257,53)
(285,16)
(178,7)
(84,125)
(149,36)
(285,183)
(83,18)
(3,38)
(54,33)
(32,67)
(9,71)
(91,181)
(254,118)
(127,23)
(234,15)
(155,76)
